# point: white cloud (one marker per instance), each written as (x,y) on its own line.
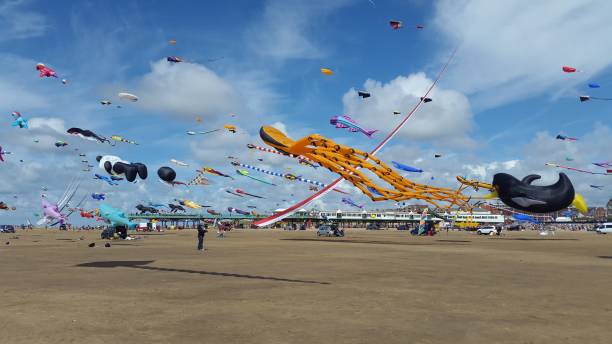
(515,49)
(188,89)
(19,23)
(284,30)
(447,119)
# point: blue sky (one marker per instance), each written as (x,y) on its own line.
(498,108)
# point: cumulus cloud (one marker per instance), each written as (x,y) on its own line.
(515,49)
(447,119)
(188,89)
(284,30)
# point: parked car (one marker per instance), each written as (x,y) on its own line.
(604,228)
(329,230)
(373,226)
(486,230)
(7,229)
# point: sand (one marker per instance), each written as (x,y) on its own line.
(292,287)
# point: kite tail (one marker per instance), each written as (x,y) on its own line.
(369,133)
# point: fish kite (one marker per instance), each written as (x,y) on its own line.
(327,71)
(105,102)
(213,171)
(87,135)
(121,139)
(568,69)
(246,174)
(426,100)
(351,203)
(201,132)
(174,59)
(213,212)
(575,169)
(177,162)
(397,113)
(565,138)
(592,85)
(406,167)
(587,98)
(105,178)
(241,192)
(19,120)
(363,94)
(60,144)
(238,211)
(98,196)
(346,122)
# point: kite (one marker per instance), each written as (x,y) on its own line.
(568,69)
(592,85)
(60,144)
(420,26)
(287,176)
(230,128)
(98,196)
(105,178)
(397,113)
(114,216)
(304,162)
(172,42)
(437,155)
(167,176)
(521,195)
(114,166)
(213,212)
(174,59)
(406,167)
(175,207)
(313,188)
(86,214)
(251,206)
(19,120)
(105,102)
(233,193)
(238,211)
(290,210)
(201,132)
(587,98)
(565,138)
(246,174)
(45,72)
(213,171)
(128,97)
(346,122)
(363,94)
(2,153)
(199,179)
(395,24)
(599,187)
(327,71)
(144,209)
(155,205)
(603,164)
(526,218)
(4,206)
(121,139)
(567,158)
(177,162)
(87,135)
(575,169)
(346,161)
(244,193)
(269,150)
(189,204)
(426,100)
(351,203)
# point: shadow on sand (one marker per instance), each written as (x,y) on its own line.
(354,241)
(605,257)
(540,239)
(141,264)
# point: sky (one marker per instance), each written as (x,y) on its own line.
(498,108)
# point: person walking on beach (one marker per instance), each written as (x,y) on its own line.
(201,233)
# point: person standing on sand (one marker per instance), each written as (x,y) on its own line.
(201,233)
